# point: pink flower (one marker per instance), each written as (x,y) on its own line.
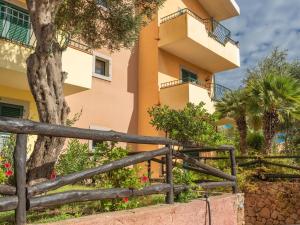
(53,175)
(144,179)
(7,165)
(8,173)
(125,200)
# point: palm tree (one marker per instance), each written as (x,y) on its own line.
(233,105)
(273,96)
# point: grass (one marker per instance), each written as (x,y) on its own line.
(74,210)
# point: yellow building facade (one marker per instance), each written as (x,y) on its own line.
(173,63)
(179,53)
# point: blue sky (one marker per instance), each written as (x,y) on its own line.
(262,25)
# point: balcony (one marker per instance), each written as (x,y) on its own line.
(178,93)
(204,42)
(17,42)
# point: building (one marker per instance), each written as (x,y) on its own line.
(173,63)
(179,53)
(102,85)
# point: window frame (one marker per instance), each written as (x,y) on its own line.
(23,104)
(189,70)
(108,66)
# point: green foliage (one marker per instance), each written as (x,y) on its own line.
(191,124)
(6,157)
(121,178)
(276,62)
(74,159)
(3,178)
(8,148)
(232,105)
(114,26)
(182,176)
(77,157)
(270,101)
(185,177)
(255,140)
(275,92)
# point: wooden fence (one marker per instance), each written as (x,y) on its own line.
(259,161)
(24,197)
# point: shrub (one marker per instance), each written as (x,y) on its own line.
(6,161)
(78,157)
(255,140)
(191,124)
(74,159)
(121,178)
(185,177)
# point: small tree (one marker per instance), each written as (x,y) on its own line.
(274,94)
(113,24)
(275,97)
(191,124)
(234,105)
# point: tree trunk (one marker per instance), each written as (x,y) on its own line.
(46,78)
(242,128)
(270,124)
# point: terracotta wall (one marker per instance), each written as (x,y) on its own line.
(110,104)
(225,210)
(274,203)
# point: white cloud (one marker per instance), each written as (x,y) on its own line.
(262,25)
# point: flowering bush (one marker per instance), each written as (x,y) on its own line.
(121,178)
(6,161)
(78,157)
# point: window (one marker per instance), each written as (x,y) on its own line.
(14,24)
(9,110)
(102,66)
(188,76)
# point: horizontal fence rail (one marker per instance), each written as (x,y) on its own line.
(215,30)
(259,161)
(25,197)
(18,126)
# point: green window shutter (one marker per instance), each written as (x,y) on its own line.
(2,21)
(10,110)
(14,24)
(19,27)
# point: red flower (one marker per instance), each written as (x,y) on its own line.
(125,200)
(8,173)
(144,179)
(53,175)
(7,165)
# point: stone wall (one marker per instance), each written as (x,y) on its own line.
(272,203)
(225,210)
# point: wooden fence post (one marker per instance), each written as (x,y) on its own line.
(169,176)
(233,169)
(149,170)
(20,178)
